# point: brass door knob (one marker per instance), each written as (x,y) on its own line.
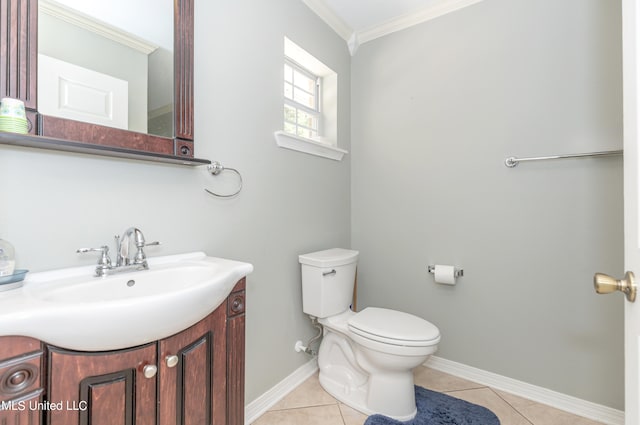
(606,284)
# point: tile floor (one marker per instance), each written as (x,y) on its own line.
(309,404)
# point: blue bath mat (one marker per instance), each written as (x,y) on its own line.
(440,409)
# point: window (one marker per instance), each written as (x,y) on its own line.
(301,101)
(310,96)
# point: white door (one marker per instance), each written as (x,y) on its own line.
(631,81)
(69,91)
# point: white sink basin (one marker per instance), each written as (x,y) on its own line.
(72,309)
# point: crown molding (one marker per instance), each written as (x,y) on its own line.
(88,23)
(411,19)
(320,8)
(355,38)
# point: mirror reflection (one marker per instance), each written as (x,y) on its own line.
(107,63)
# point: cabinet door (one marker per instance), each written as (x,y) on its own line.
(101,388)
(192,373)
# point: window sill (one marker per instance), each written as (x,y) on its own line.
(312,147)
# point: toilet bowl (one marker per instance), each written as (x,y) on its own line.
(365,358)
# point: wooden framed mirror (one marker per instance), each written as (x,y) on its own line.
(19,79)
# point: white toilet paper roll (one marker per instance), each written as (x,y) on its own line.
(445,274)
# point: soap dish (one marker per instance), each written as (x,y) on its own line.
(12,281)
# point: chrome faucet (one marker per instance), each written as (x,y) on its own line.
(124,243)
(124,262)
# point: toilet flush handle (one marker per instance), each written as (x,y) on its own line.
(332,272)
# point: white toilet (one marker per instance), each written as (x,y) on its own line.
(365,358)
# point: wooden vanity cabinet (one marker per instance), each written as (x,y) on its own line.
(21,384)
(195,377)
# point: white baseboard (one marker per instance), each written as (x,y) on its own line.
(257,407)
(551,398)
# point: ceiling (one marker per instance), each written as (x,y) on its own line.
(360,21)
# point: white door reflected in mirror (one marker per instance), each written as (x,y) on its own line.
(70,91)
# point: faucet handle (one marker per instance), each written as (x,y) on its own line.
(141,257)
(102,249)
(104,261)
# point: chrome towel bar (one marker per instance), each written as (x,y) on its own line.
(513,161)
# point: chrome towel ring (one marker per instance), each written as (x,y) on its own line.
(216,168)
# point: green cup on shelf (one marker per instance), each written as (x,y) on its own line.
(13,117)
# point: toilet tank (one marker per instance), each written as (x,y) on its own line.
(327,281)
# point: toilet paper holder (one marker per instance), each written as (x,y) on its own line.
(457,272)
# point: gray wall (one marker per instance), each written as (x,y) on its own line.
(435,111)
(292,203)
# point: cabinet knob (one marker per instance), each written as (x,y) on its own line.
(171,361)
(150,371)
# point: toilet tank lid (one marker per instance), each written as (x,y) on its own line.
(329,257)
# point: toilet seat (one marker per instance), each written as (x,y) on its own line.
(392,327)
